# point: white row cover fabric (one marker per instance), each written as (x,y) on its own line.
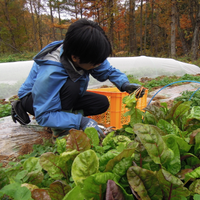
(141,66)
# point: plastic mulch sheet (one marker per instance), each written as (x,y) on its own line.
(15,138)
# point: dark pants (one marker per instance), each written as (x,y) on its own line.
(91,103)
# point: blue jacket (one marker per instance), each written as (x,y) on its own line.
(47,77)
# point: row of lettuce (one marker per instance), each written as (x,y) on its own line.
(155,156)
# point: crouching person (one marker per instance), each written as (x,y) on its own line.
(55,89)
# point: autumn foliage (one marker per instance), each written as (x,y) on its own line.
(134,27)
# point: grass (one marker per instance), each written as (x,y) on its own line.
(188,60)
(7,57)
(17,57)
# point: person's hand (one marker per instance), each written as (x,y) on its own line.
(87,122)
(131,87)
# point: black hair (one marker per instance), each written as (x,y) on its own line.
(88,41)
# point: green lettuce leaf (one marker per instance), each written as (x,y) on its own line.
(194,174)
(124,154)
(174,165)
(75,193)
(15,191)
(194,187)
(194,113)
(61,145)
(93,135)
(95,185)
(122,166)
(84,165)
(105,158)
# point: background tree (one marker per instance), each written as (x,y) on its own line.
(173,28)
(165,28)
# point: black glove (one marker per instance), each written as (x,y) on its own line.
(19,114)
(87,122)
(131,87)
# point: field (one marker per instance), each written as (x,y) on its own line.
(155,156)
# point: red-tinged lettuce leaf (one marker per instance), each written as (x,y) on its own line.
(194,187)
(124,154)
(95,185)
(78,140)
(113,191)
(156,112)
(145,183)
(152,140)
(142,159)
(54,165)
(58,190)
(127,196)
(39,194)
(193,135)
(191,159)
(84,165)
(35,177)
(149,119)
(172,110)
(179,114)
(172,187)
(183,172)
(57,166)
(182,109)
(74,194)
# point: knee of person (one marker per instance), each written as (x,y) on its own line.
(106,102)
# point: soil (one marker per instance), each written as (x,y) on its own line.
(28,147)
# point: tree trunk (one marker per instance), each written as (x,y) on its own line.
(6,13)
(110,22)
(145,30)
(173,28)
(60,22)
(195,39)
(141,5)
(37,12)
(33,26)
(52,19)
(181,34)
(132,36)
(152,32)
